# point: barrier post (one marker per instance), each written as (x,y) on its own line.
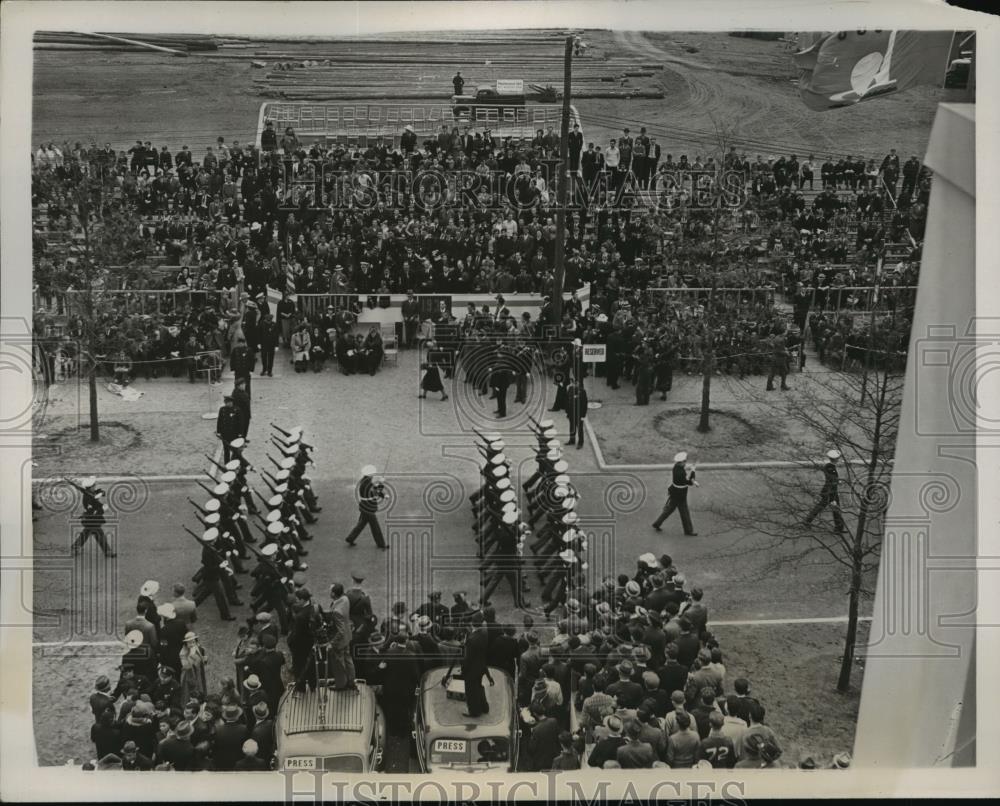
(213,407)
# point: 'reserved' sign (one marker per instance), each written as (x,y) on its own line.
(510,86)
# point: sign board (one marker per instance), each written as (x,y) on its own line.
(510,86)
(595,353)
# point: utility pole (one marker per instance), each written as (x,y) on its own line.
(562,182)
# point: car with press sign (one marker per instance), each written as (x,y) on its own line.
(330,730)
(449,740)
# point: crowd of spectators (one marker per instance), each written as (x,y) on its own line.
(228,221)
(636,660)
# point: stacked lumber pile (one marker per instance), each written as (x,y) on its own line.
(421,67)
(175,44)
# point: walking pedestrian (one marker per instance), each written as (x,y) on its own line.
(228,426)
(829,496)
(681,479)
(269,335)
(93,519)
(369,493)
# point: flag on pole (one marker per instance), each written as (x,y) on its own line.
(847,67)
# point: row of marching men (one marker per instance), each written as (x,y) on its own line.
(548,526)
(228,542)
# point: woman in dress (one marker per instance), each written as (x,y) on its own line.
(301,348)
(431,382)
(193,660)
(319,348)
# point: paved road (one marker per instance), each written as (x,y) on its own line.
(424,447)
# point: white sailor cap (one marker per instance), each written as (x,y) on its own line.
(281,475)
(569,502)
(570,518)
(510,518)
(275,527)
(568,556)
(287,463)
(560,492)
(273,515)
(497,445)
(210,535)
(503,484)
(554,455)
(498,459)
(562,479)
(274,501)
(833,454)
(269,550)
(499,471)
(238,443)
(281,488)
(561,466)
(681,456)
(88,482)
(508,495)
(228,477)
(220,489)
(369,470)
(212,505)
(149,588)
(545,424)
(233,464)
(212,518)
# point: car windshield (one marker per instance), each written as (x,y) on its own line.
(343,764)
(470,751)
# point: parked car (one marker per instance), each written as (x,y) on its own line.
(342,731)
(448,739)
(466,107)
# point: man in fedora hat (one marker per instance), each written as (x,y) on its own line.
(625,690)
(681,480)
(102,697)
(474,668)
(229,738)
(177,749)
(829,496)
(263,730)
(172,632)
(360,602)
(132,759)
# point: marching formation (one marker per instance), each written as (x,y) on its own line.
(227,540)
(558,545)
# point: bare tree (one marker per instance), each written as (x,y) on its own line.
(109,254)
(717,206)
(847,531)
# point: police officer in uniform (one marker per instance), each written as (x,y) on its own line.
(780,361)
(829,496)
(681,480)
(228,426)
